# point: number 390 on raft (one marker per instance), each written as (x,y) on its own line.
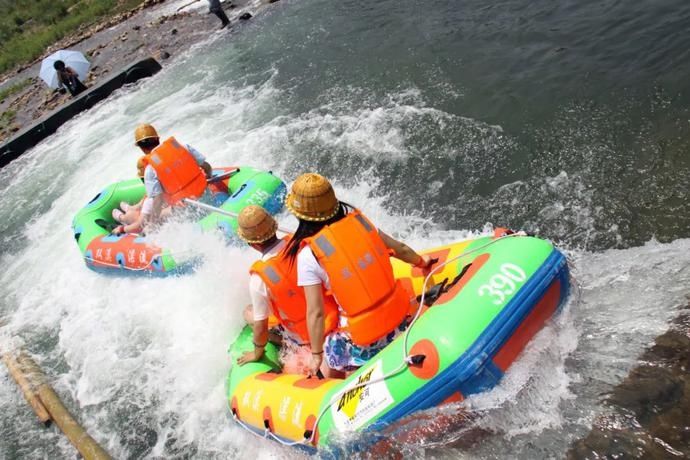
(504,283)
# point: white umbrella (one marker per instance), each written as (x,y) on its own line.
(73,59)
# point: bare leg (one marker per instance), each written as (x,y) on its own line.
(275,337)
(130,216)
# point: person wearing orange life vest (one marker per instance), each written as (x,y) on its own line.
(337,248)
(273,286)
(172,172)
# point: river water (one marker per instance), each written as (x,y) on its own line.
(440,119)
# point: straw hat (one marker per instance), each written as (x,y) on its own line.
(255,225)
(312,198)
(143,132)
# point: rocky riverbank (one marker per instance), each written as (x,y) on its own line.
(649,409)
(155,28)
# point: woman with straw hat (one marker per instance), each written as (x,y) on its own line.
(273,288)
(338,249)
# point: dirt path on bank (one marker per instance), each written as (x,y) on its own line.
(155,28)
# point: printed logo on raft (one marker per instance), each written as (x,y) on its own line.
(357,406)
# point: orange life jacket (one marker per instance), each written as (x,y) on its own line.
(361,276)
(287,300)
(177,170)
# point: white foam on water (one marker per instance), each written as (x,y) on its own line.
(538,378)
(138,353)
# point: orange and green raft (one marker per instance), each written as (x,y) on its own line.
(134,254)
(489,299)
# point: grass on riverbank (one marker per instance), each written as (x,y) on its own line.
(14,89)
(28,27)
(6,119)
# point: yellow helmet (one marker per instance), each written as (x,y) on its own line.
(255,225)
(144,131)
(312,198)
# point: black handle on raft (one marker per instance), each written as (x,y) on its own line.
(433,293)
(319,375)
(417,360)
(444,286)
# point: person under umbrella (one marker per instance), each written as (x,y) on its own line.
(68,78)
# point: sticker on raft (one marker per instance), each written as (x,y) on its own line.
(357,406)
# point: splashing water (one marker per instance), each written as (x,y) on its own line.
(142,361)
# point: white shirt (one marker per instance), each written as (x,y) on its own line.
(309,272)
(153,185)
(257,288)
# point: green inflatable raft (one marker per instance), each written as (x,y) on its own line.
(483,303)
(134,254)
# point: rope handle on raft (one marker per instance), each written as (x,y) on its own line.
(407,360)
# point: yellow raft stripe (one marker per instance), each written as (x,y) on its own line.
(291,403)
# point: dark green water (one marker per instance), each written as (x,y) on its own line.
(569,119)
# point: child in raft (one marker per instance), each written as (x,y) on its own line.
(269,278)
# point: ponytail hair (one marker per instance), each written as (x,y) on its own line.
(307,229)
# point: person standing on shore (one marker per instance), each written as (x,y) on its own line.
(215,7)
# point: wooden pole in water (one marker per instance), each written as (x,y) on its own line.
(84,443)
(26,387)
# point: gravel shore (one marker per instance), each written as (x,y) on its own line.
(155,28)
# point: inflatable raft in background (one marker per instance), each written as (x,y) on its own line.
(133,253)
(488,300)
